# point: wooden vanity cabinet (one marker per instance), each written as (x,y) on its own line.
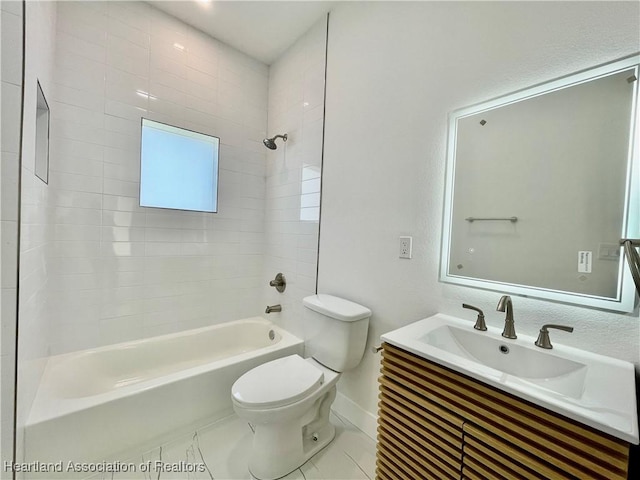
(435,423)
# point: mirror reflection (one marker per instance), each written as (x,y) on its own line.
(539,186)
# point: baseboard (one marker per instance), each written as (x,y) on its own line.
(358,416)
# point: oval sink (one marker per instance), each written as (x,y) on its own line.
(593,389)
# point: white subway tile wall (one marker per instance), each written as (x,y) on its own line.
(98,268)
(296,107)
(117,271)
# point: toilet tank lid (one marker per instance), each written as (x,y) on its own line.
(335,307)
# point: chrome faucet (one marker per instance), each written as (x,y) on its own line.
(273,308)
(504,304)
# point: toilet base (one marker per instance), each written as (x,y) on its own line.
(280,448)
(324,437)
(311,448)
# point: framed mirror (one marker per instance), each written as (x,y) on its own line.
(541,185)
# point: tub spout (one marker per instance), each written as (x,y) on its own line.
(273,308)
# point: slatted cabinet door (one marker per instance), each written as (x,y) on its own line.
(417,438)
(436,423)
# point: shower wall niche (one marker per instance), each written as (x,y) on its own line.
(43,117)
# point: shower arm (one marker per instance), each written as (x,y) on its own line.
(270,143)
(633,258)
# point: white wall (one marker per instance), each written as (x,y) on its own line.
(11,80)
(296,107)
(117,271)
(395,70)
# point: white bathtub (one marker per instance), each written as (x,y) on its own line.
(94,404)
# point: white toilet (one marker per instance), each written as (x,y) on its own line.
(287,400)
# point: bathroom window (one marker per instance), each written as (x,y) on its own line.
(178,168)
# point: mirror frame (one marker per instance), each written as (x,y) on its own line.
(626,293)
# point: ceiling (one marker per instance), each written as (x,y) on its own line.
(261,29)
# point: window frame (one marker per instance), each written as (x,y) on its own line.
(216,169)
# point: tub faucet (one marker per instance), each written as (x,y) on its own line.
(273,308)
(509,325)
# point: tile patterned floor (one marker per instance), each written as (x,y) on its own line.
(221,451)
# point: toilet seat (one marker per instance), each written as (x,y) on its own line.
(277,383)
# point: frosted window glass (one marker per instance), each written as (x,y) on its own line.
(178,168)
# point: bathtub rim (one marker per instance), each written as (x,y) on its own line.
(47,405)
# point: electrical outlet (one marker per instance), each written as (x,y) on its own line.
(405,247)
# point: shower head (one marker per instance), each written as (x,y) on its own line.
(270,143)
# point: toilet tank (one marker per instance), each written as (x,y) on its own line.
(335,331)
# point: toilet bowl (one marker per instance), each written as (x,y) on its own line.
(287,401)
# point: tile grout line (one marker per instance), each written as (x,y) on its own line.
(357,464)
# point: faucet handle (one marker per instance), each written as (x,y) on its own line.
(279,282)
(543,340)
(480,325)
